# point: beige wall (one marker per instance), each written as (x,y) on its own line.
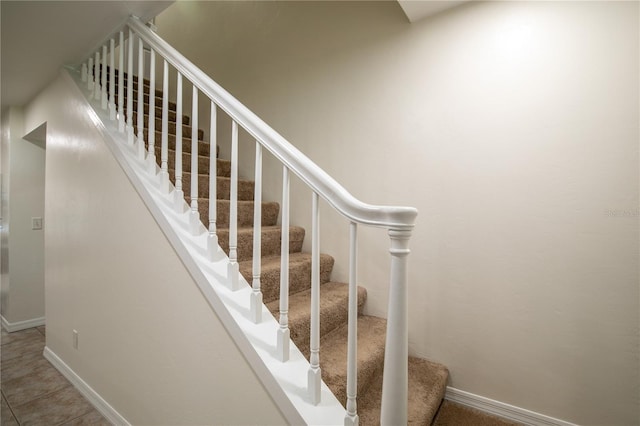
(149,343)
(23,170)
(512,127)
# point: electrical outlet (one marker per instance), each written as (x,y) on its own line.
(36,223)
(75,339)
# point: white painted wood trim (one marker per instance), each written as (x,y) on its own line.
(107,411)
(500,409)
(21,325)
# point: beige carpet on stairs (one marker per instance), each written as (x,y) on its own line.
(427,380)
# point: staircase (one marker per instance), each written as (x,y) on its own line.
(427,380)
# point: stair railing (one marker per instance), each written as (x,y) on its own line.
(398,221)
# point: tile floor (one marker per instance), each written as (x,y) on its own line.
(33,391)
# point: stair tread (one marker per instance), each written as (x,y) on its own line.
(240,202)
(172,124)
(269,241)
(427,385)
(226,178)
(269,213)
(265,229)
(334,305)
(206,175)
(200,156)
(273,262)
(299,273)
(333,355)
(186,129)
(245,188)
(173,115)
(158,134)
(223,167)
(203,146)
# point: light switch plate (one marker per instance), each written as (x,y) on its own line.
(36,223)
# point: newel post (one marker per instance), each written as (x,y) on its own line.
(395,378)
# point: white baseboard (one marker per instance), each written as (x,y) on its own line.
(87,391)
(21,325)
(501,409)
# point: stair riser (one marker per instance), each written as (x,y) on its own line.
(331,318)
(145,81)
(223,167)
(245,213)
(245,188)
(299,277)
(203,147)
(171,126)
(370,357)
(158,111)
(270,242)
(158,92)
(186,130)
(157,100)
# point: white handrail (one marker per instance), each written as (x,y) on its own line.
(391,217)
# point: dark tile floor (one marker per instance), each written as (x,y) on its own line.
(33,391)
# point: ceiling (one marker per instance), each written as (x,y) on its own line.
(420,9)
(39,37)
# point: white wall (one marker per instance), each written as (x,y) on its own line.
(149,343)
(512,127)
(23,170)
(4,206)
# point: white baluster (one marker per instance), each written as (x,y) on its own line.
(233,270)
(351,417)
(179,194)
(83,72)
(103,79)
(314,377)
(151,155)
(112,80)
(96,76)
(212,240)
(283,330)
(256,294)
(121,118)
(395,377)
(90,76)
(130,44)
(141,149)
(195,215)
(164,149)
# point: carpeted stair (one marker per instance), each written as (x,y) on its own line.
(427,380)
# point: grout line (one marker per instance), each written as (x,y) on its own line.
(81,415)
(9,406)
(44,395)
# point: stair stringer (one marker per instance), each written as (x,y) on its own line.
(285,382)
